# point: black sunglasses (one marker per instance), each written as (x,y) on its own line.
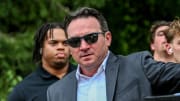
(89,38)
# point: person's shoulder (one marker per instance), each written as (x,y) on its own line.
(19,88)
(28,78)
(140,54)
(65,80)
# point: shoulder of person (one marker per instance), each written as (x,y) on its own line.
(140,54)
(65,80)
(19,89)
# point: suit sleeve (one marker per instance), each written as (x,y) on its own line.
(164,77)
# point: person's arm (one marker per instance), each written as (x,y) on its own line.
(164,77)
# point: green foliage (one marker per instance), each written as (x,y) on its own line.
(15,57)
(129,21)
(30,14)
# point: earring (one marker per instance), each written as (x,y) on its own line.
(170,51)
(40,51)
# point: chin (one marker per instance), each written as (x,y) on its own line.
(88,64)
(59,64)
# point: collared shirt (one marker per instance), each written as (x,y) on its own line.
(34,86)
(92,88)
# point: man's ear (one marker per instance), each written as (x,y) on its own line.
(152,46)
(108,38)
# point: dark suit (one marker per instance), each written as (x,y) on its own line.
(128,78)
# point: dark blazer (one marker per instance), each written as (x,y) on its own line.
(128,78)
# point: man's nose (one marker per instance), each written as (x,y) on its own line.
(84,44)
(61,45)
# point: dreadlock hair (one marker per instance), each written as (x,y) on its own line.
(40,36)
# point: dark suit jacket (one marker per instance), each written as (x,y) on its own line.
(128,78)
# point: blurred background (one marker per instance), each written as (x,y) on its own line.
(129,21)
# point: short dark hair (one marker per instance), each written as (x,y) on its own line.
(155,26)
(85,12)
(40,36)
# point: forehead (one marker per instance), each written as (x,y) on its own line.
(177,36)
(161,29)
(56,33)
(175,40)
(83,25)
(177,33)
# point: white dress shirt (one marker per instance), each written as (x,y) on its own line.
(92,88)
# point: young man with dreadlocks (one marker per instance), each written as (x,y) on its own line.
(51,53)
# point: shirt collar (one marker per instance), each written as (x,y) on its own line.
(46,75)
(102,67)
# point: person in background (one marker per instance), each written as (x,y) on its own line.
(158,41)
(173,40)
(104,76)
(52,54)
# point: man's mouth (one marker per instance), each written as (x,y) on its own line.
(85,55)
(60,55)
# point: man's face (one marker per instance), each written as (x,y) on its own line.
(54,52)
(159,39)
(88,55)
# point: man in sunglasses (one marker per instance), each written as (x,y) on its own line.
(103,76)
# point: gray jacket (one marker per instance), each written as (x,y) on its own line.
(128,78)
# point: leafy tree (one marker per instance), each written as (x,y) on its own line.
(15,57)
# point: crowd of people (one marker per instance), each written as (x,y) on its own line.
(100,75)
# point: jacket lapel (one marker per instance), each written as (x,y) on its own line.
(111,75)
(71,89)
